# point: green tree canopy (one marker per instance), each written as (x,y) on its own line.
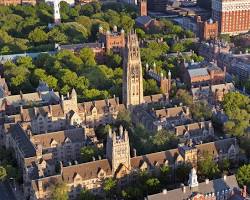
(60,192)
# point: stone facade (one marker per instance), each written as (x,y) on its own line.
(196,132)
(132,90)
(91,175)
(165,118)
(163,82)
(213,93)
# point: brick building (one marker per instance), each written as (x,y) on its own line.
(113,40)
(143,8)
(207,29)
(202,74)
(17,2)
(233,16)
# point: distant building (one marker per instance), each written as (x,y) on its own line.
(237,64)
(213,93)
(211,51)
(4,89)
(196,132)
(207,29)
(163,81)
(225,188)
(143,9)
(112,40)
(233,16)
(144,21)
(202,74)
(165,118)
(17,2)
(120,165)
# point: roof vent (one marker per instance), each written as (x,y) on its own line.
(164,191)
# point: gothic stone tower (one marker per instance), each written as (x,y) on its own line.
(118,150)
(143,8)
(132,72)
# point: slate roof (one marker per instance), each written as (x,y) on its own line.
(198,72)
(22,140)
(74,135)
(217,186)
(143,20)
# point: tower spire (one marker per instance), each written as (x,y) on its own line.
(132,75)
(57,16)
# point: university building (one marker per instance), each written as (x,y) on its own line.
(233,16)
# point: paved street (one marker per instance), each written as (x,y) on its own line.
(6,192)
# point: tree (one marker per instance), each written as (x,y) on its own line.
(88,152)
(88,57)
(236,107)
(38,36)
(165,172)
(131,193)
(243,175)
(3,173)
(207,167)
(201,111)
(182,171)
(60,192)
(184,97)
(86,195)
(152,185)
(150,87)
(109,186)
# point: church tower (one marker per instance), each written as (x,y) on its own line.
(57,16)
(143,8)
(132,72)
(118,150)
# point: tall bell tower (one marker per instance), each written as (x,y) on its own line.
(132,89)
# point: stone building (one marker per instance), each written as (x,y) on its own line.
(211,51)
(132,89)
(222,188)
(196,132)
(124,168)
(163,82)
(165,118)
(143,8)
(213,93)
(4,89)
(11,104)
(237,64)
(38,155)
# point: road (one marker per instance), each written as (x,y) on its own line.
(6,192)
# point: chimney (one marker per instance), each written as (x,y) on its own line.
(224,177)
(207,181)
(134,152)
(164,191)
(183,188)
(244,192)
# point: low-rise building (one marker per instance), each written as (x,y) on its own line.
(165,118)
(124,168)
(196,74)
(196,132)
(213,93)
(223,188)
